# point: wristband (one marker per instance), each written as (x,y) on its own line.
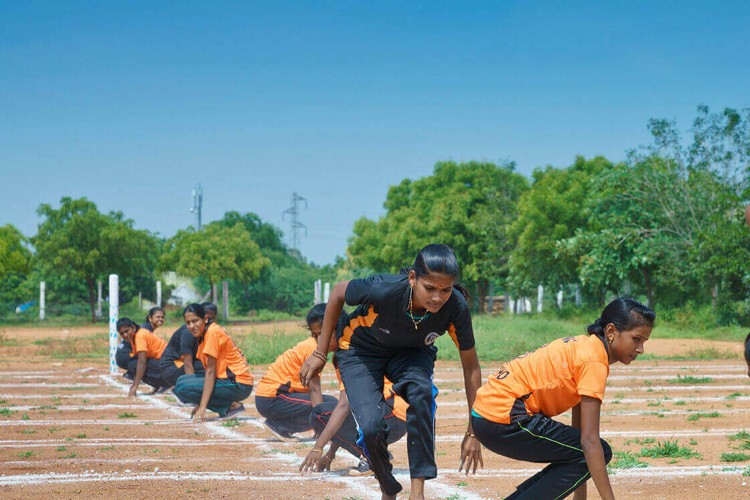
(317,450)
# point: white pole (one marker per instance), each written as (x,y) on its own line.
(42,287)
(318,292)
(114,306)
(511,304)
(326,291)
(539,297)
(98,299)
(158,293)
(559,299)
(225,299)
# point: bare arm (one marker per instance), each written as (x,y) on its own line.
(313,365)
(471,449)
(592,446)
(187,359)
(338,417)
(316,394)
(580,493)
(208,388)
(140,371)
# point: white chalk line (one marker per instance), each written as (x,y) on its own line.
(661,434)
(48,386)
(59,396)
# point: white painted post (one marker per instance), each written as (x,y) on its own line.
(559,298)
(326,291)
(158,293)
(527,305)
(42,304)
(578,296)
(318,292)
(511,305)
(114,307)
(225,299)
(539,298)
(98,299)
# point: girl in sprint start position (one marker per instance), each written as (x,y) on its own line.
(391,334)
(513,411)
(227,380)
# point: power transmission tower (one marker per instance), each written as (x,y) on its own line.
(197,204)
(295,225)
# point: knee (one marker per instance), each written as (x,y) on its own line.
(372,429)
(607,451)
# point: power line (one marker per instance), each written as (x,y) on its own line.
(294,224)
(197,204)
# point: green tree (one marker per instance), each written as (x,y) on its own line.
(468,206)
(215,253)
(548,213)
(77,242)
(15,264)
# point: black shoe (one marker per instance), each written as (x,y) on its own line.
(285,436)
(160,390)
(127,376)
(362,468)
(233,412)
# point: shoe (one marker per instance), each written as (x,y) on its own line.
(160,390)
(233,412)
(362,469)
(285,436)
(127,376)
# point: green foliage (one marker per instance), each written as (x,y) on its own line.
(689,379)
(468,206)
(626,460)
(78,244)
(15,257)
(215,253)
(696,416)
(734,457)
(669,449)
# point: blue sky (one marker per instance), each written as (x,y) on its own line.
(131,104)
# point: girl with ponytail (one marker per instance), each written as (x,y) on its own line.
(512,413)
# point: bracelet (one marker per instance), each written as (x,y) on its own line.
(470,434)
(319,450)
(320,355)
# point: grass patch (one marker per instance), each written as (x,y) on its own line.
(626,460)
(80,436)
(44,407)
(62,448)
(640,441)
(52,430)
(91,347)
(740,435)
(734,395)
(232,422)
(127,415)
(696,416)
(689,379)
(71,455)
(28,431)
(681,402)
(734,457)
(26,454)
(6,412)
(669,449)
(707,354)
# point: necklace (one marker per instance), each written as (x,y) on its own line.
(411,312)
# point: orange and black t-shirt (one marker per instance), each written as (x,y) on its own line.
(381,321)
(399,404)
(230,362)
(285,370)
(548,381)
(145,340)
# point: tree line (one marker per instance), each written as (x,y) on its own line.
(667,224)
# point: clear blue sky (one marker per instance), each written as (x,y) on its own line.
(131,104)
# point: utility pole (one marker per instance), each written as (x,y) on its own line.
(295,225)
(197,204)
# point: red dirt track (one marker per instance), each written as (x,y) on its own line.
(69,431)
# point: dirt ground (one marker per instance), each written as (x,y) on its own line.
(69,431)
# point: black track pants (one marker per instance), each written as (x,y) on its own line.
(540,439)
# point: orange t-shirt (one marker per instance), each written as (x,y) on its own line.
(399,404)
(549,380)
(285,370)
(147,341)
(217,344)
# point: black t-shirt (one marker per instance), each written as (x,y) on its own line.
(381,320)
(181,343)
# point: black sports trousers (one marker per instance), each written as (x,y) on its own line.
(288,411)
(170,373)
(540,439)
(411,372)
(152,376)
(346,437)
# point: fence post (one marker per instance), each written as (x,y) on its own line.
(114,306)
